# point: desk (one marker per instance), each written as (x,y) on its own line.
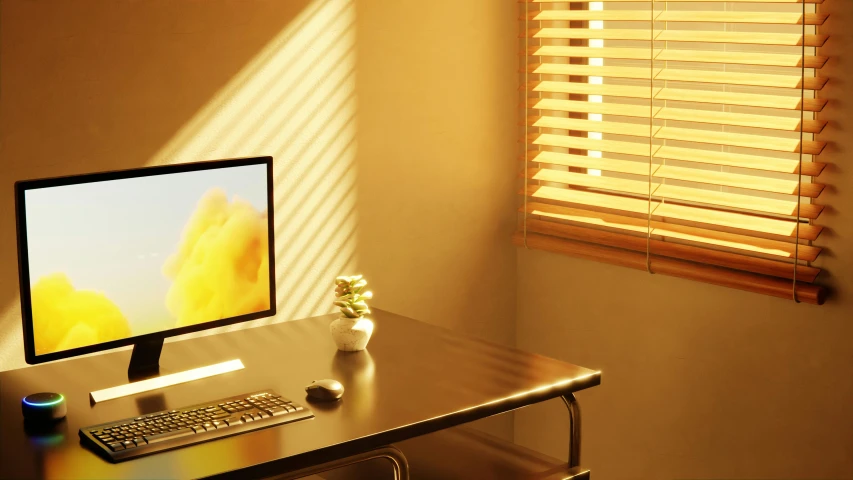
(413,379)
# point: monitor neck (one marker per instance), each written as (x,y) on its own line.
(145,359)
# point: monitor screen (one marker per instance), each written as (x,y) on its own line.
(109,259)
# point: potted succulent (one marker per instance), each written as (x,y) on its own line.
(352,330)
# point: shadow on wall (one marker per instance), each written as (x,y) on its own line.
(291,94)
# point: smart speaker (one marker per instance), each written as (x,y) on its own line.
(44,407)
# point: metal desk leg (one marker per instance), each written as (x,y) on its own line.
(393,454)
(574,429)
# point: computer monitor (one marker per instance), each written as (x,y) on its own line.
(134,256)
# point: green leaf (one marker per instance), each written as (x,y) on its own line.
(367,295)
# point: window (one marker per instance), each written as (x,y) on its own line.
(676,136)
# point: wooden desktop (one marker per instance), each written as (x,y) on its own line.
(413,379)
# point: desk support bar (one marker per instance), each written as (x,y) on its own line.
(391,453)
(574,429)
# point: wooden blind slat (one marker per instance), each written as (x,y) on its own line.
(722,219)
(789,124)
(793,81)
(767,18)
(609,108)
(737,160)
(683,134)
(725,240)
(772,122)
(753,38)
(613,146)
(726,179)
(734,180)
(589,33)
(742,58)
(596,163)
(742,99)
(727,159)
(713,198)
(593,52)
(739,140)
(621,128)
(736,261)
(703,56)
(782,102)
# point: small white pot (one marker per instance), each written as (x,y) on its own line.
(351,334)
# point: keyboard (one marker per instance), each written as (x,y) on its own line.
(151,433)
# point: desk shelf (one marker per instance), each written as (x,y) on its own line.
(462,453)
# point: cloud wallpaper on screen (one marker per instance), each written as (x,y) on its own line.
(221,268)
(64,317)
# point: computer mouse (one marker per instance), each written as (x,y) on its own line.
(325,390)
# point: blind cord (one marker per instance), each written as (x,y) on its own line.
(800,166)
(651,126)
(524,117)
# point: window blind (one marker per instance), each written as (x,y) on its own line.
(676,137)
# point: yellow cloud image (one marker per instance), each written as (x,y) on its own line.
(221,268)
(64,317)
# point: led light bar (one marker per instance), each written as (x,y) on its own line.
(164,381)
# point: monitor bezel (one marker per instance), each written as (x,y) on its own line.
(23,186)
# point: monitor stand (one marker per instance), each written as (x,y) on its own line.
(144,373)
(145,360)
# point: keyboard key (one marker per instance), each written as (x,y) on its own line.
(220,415)
(233,421)
(107,439)
(116,446)
(162,437)
(139,441)
(128,444)
(276,411)
(218,424)
(208,426)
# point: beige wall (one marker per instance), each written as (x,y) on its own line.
(393,153)
(701,381)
